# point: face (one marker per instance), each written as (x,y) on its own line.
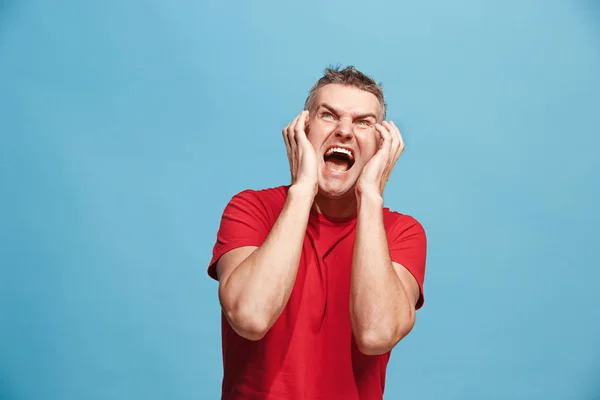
(341,128)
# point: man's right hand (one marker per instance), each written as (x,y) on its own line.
(256,282)
(301,154)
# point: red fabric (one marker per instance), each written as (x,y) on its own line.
(309,353)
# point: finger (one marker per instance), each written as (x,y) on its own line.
(393,137)
(393,146)
(396,140)
(288,149)
(400,140)
(293,145)
(386,138)
(299,132)
(300,125)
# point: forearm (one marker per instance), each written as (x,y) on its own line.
(380,308)
(255,293)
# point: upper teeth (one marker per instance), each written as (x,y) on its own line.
(339,150)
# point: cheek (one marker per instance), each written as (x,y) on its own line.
(369,148)
(314,141)
(315,135)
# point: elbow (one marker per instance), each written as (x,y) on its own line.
(248,324)
(374,342)
(250,328)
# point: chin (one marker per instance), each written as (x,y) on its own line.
(334,193)
(336,184)
(336,189)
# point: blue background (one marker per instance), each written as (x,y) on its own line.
(127,126)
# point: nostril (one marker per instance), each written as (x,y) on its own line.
(343,133)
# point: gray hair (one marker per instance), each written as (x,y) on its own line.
(348,76)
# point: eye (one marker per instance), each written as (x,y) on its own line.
(364,122)
(326,114)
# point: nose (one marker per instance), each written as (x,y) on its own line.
(344,129)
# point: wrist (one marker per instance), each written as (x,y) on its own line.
(302,193)
(370,198)
(369,194)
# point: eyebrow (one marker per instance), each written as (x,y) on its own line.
(337,112)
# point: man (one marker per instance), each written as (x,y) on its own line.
(317,280)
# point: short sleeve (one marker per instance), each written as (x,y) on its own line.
(408,246)
(245,222)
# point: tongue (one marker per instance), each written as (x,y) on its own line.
(337,163)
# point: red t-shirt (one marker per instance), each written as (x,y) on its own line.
(309,353)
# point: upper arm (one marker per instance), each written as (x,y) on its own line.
(409,282)
(408,250)
(244,226)
(231,260)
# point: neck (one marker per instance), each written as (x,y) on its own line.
(336,208)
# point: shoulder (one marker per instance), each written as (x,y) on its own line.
(266,203)
(277,193)
(395,221)
(267,197)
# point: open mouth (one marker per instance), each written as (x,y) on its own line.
(339,159)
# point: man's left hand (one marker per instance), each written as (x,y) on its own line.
(376,173)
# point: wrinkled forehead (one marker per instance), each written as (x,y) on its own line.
(348,99)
